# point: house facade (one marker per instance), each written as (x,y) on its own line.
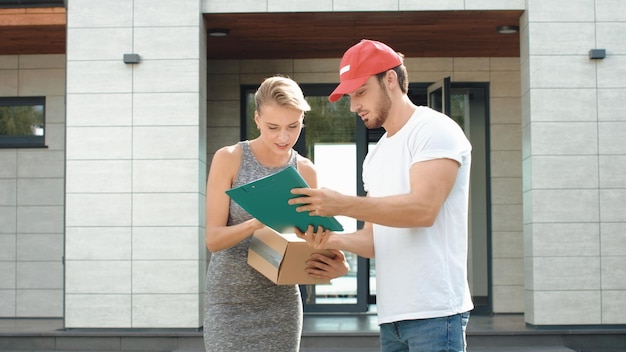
(103,224)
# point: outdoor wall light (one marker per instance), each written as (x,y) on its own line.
(597,54)
(507,29)
(218,32)
(131,58)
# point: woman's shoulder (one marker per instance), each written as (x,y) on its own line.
(304,162)
(232,150)
(306,168)
(228,157)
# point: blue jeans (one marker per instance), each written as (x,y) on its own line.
(445,334)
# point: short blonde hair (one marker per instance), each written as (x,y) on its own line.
(280,90)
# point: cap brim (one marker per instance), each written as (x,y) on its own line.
(345,87)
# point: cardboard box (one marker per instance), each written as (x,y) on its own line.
(282,257)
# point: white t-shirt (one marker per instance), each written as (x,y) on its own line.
(421,272)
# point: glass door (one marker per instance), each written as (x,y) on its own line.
(467,104)
(439,96)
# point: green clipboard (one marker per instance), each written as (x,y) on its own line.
(266,199)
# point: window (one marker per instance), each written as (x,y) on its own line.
(22,122)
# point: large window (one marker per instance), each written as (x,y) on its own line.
(22,122)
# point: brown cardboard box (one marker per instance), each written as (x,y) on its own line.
(282,257)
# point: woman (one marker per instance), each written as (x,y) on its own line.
(245,311)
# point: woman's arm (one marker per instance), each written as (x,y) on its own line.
(224,168)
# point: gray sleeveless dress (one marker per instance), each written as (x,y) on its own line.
(244,311)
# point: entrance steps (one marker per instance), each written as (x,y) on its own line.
(322,333)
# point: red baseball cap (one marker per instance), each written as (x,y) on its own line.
(364,59)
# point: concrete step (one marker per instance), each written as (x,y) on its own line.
(520,349)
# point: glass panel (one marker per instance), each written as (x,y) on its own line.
(328,139)
(22,121)
(469,109)
(436,99)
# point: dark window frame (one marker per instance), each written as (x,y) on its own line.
(29,141)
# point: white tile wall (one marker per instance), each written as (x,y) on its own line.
(495,4)
(98,209)
(612,205)
(165,209)
(111,43)
(611,72)
(99,243)
(562,72)
(547,172)
(166,310)
(613,303)
(583,239)
(134,154)
(90,110)
(299,6)
(157,175)
(611,171)
(39,303)
(166,243)
(163,109)
(610,104)
(110,176)
(148,13)
(573,38)
(101,310)
(163,277)
(113,13)
(9,82)
(162,43)
(566,205)
(421,5)
(560,10)
(98,277)
(565,307)
(88,143)
(174,76)
(99,77)
(576,104)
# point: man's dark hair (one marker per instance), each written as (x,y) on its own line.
(403,77)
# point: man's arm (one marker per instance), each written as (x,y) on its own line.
(431,183)
(360,242)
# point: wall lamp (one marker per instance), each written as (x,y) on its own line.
(218,32)
(131,58)
(597,54)
(507,29)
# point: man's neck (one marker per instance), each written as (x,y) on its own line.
(399,114)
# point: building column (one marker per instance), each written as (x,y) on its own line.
(574,193)
(135,164)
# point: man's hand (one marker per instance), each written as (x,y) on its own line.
(323,267)
(318,201)
(317,240)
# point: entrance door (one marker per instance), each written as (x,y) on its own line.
(467,104)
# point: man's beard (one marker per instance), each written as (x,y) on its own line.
(382,112)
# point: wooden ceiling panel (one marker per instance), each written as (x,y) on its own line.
(300,35)
(328,35)
(32,31)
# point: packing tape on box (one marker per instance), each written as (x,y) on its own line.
(266,252)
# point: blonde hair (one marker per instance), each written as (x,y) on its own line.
(280,90)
